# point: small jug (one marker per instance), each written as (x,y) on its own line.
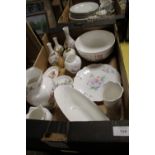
(39,113)
(68,51)
(73,63)
(53,56)
(69,41)
(33,78)
(58,48)
(39,89)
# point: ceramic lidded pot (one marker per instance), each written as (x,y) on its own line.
(39,113)
(58,48)
(73,63)
(69,41)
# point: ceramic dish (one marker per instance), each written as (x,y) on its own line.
(77,107)
(63,80)
(51,72)
(91,79)
(83,9)
(95,45)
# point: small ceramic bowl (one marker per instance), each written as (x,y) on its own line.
(73,63)
(63,80)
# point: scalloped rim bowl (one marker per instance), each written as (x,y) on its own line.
(95,45)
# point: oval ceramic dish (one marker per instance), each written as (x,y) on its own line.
(91,79)
(83,9)
(77,107)
(95,45)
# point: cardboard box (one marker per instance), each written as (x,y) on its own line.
(111,18)
(64,135)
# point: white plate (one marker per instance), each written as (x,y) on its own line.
(84,8)
(51,72)
(91,79)
(77,107)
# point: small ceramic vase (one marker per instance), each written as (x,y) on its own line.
(112,93)
(39,113)
(73,63)
(68,51)
(53,56)
(69,41)
(58,48)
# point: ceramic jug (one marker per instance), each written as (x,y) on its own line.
(68,51)
(58,48)
(53,55)
(39,113)
(42,92)
(69,41)
(33,78)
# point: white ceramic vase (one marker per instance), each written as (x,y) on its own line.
(39,113)
(68,51)
(112,93)
(73,63)
(53,55)
(58,48)
(69,41)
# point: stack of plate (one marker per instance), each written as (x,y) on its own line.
(83,10)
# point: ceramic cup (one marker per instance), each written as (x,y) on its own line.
(112,93)
(39,113)
(33,78)
(73,63)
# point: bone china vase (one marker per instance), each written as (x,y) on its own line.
(69,41)
(53,56)
(58,48)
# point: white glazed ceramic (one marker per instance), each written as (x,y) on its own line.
(42,95)
(77,107)
(63,80)
(112,92)
(39,113)
(58,48)
(73,63)
(95,45)
(69,41)
(84,8)
(68,51)
(51,72)
(91,79)
(53,55)
(33,78)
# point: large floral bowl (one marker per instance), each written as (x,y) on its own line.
(95,45)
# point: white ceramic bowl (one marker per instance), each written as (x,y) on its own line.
(95,45)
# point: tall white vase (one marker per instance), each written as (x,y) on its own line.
(69,41)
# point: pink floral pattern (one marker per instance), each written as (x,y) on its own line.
(95,82)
